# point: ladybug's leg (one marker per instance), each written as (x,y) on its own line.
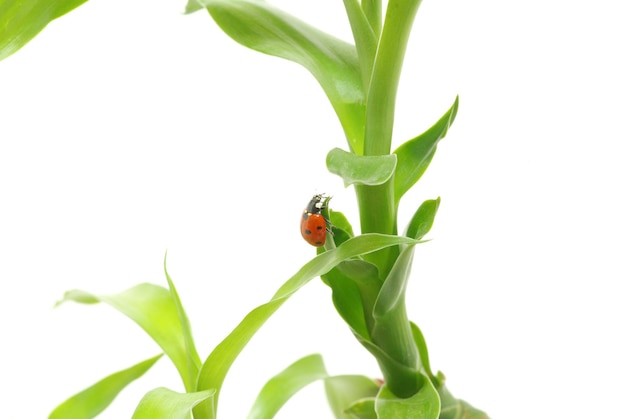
(329,226)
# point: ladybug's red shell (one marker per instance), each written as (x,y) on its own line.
(313,223)
(313,229)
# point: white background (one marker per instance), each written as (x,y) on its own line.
(128,129)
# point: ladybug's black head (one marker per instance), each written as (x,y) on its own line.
(315,205)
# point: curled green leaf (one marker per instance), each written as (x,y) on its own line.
(90,402)
(415,155)
(153,308)
(284,385)
(361,170)
(423,219)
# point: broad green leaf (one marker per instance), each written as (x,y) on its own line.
(423,219)
(164,403)
(280,388)
(345,391)
(361,170)
(21,20)
(415,155)
(424,404)
(218,363)
(333,62)
(90,402)
(154,310)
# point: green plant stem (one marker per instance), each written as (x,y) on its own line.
(392,330)
(377,203)
(395,338)
(381,98)
(377,210)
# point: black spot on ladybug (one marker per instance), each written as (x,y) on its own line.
(320,228)
(305,216)
(307,232)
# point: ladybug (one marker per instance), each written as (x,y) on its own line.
(313,225)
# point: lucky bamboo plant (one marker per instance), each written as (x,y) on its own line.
(368,272)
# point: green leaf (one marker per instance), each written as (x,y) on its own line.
(280,388)
(422,350)
(415,155)
(193,6)
(366,40)
(347,394)
(362,409)
(347,302)
(218,363)
(340,228)
(394,288)
(342,391)
(453,408)
(355,285)
(193,362)
(340,221)
(90,402)
(155,311)
(361,170)
(392,330)
(423,219)
(424,404)
(21,20)
(164,403)
(333,62)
